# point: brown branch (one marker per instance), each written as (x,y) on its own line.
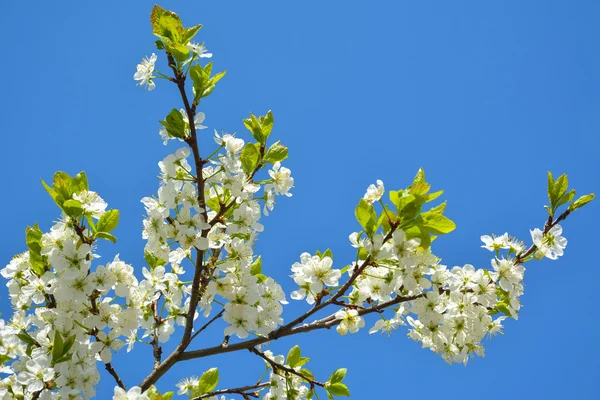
(324,323)
(549,225)
(216,317)
(111,370)
(245,391)
(280,367)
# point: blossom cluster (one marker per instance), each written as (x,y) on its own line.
(68,315)
(448,310)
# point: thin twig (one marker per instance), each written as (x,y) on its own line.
(243,391)
(111,370)
(280,367)
(216,317)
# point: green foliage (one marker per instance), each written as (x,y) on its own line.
(108,221)
(60,348)
(293,356)
(153,261)
(277,152)
(250,158)
(559,195)
(203,82)
(208,382)
(174,124)
(582,201)
(338,389)
(338,376)
(366,216)
(106,236)
(154,394)
(33,240)
(260,127)
(256,266)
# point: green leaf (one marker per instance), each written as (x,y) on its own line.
(33,239)
(582,201)
(418,232)
(61,183)
(254,126)
(267,124)
(153,261)
(307,374)
(560,187)
(208,381)
(566,198)
(57,347)
(73,208)
(293,356)
(58,199)
(366,216)
(550,188)
(106,236)
(108,221)
(338,389)
(79,183)
(432,196)
(189,33)
(213,203)
(179,51)
(213,81)
(249,158)
(256,267)
(439,209)
(276,152)
(338,376)
(68,344)
(419,177)
(303,361)
(328,253)
(435,223)
(24,336)
(174,124)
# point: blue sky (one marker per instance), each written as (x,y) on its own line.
(486,96)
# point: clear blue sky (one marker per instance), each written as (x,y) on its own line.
(486,96)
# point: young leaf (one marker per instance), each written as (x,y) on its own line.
(267,124)
(79,183)
(338,389)
(256,266)
(366,216)
(73,208)
(277,152)
(108,221)
(57,347)
(249,158)
(582,201)
(337,376)
(58,199)
(33,239)
(254,126)
(107,236)
(61,183)
(208,381)
(435,223)
(293,356)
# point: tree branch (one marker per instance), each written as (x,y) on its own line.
(111,370)
(549,225)
(277,367)
(216,317)
(324,323)
(242,391)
